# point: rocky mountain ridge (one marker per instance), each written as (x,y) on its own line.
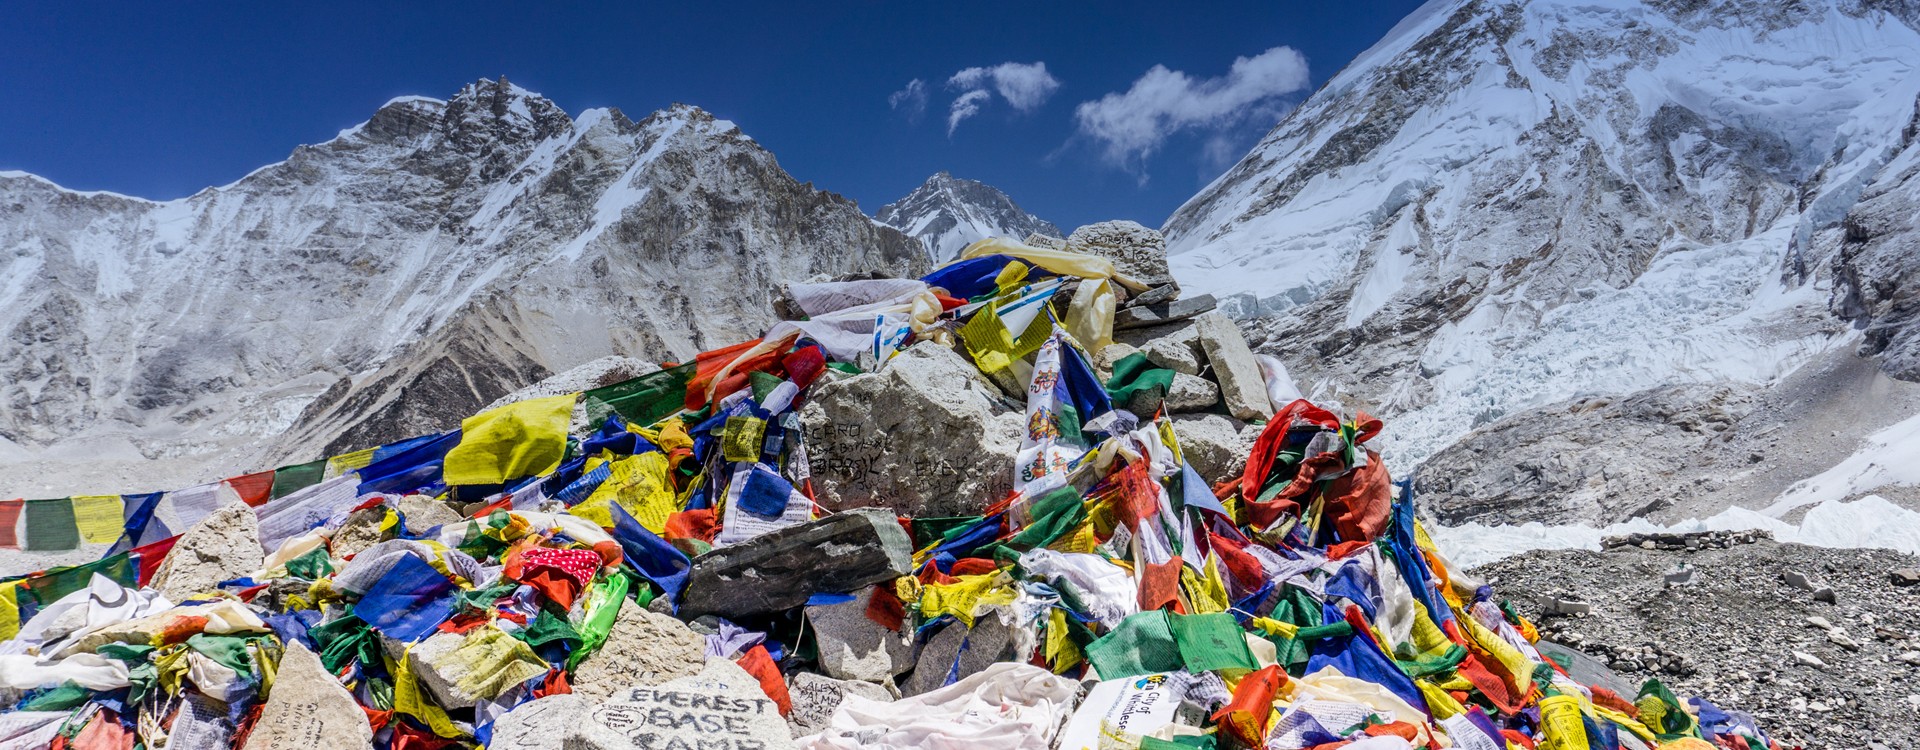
(949,213)
(1505,208)
(393,279)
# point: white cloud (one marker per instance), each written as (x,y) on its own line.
(1130,126)
(910,101)
(1024,86)
(967,105)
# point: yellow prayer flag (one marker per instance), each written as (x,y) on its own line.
(641,485)
(99,517)
(1061,652)
(1560,725)
(9,610)
(509,442)
(349,462)
(407,700)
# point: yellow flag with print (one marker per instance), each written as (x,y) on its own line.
(509,442)
(99,518)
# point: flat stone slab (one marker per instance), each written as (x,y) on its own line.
(781,569)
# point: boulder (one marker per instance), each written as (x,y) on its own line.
(460,669)
(359,532)
(1143,316)
(721,708)
(1137,251)
(1103,360)
(854,647)
(816,697)
(1190,393)
(1179,352)
(556,722)
(423,513)
(1045,241)
(1215,444)
(987,642)
(783,568)
(223,546)
(1241,384)
(926,436)
(643,647)
(308,708)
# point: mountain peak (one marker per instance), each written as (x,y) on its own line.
(947,214)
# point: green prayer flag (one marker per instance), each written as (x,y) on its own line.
(643,400)
(290,479)
(603,605)
(344,641)
(50,525)
(1211,642)
(1133,375)
(65,697)
(48,587)
(1142,644)
(1053,515)
(313,566)
(547,628)
(932,530)
(229,651)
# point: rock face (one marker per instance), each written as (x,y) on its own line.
(422,264)
(783,568)
(643,647)
(1876,273)
(947,214)
(854,647)
(1504,205)
(222,546)
(1135,250)
(1553,465)
(927,436)
(308,709)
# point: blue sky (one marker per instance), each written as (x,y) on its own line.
(1137,106)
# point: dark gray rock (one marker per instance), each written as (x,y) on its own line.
(781,569)
(854,647)
(988,641)
(1163,313)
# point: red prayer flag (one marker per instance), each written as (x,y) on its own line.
(1245,717)
(761,666)
(9,520)
(254,489)
(1160,585)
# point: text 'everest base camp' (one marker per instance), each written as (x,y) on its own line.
(1274,476)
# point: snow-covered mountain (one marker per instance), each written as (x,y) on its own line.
(1506,206)
(947,214)
(394,279)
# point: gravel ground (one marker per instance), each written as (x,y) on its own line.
(1839,675)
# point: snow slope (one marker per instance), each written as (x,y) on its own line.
(1506,205)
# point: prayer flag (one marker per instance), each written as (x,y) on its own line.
(50,526)
(509,442)
(98,517)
